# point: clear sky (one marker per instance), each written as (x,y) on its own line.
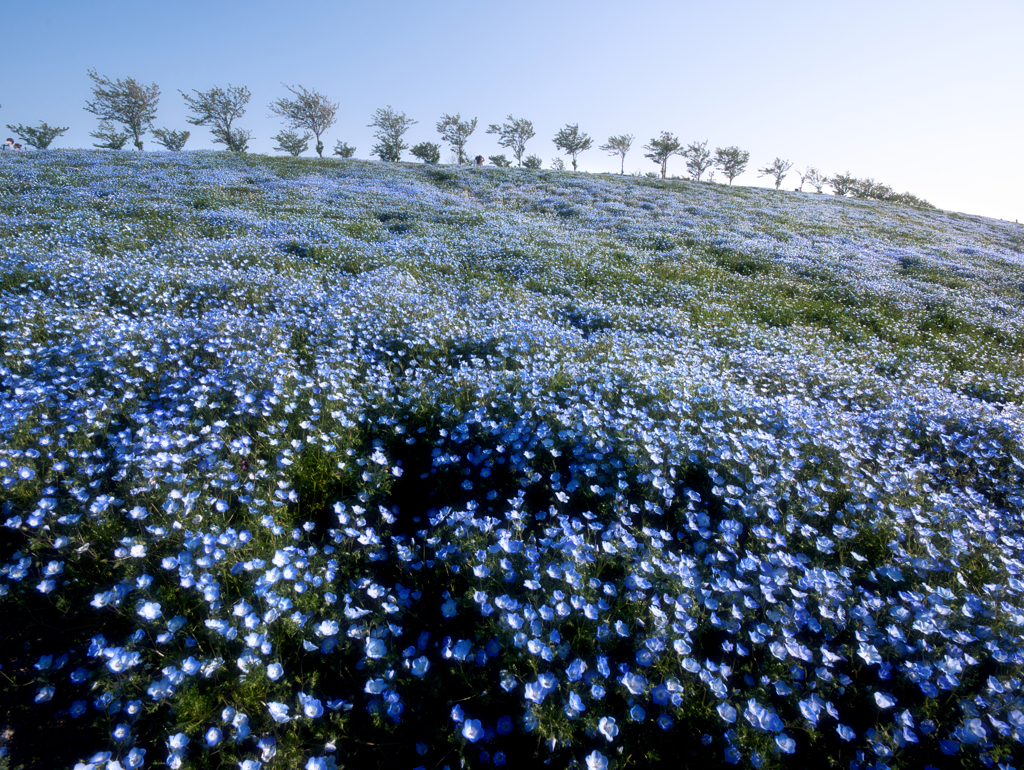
(924,96)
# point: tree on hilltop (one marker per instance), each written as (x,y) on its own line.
(171,139)
(732,161)
(777,170)
(456,131)
(344,149)
(572,141)
(698,159)
(815,178)
(428,152)
(127,102)
(109,137)
(308,111)
(217,109)
(391,127)
(292,143)
(619,145)
(842,183)
(513,135)
(661,149)
(39,137)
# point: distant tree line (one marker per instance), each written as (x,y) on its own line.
(127,110)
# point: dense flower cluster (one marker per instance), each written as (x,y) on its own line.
(308,457)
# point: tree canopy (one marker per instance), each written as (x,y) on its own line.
(127,102)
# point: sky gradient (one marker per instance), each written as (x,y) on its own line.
(923,96)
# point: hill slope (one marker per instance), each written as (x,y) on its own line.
(420,460)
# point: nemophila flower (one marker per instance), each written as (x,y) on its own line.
(375,648)
(637,713)
(148,610)
(250,764)
(278,712)
(472,730)
(607,727)
(44,694)
(268,747)
(311,707)
(596,761)
(135,758)
(213,736)
(420,666)
(884,700)
(275,671)
(786,744)
(727,712)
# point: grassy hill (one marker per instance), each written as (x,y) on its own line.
(311,462)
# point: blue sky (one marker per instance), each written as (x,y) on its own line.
(924,96)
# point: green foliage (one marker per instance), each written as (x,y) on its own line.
(127,102)
(572,141)
(109,139)
(217,109)
(344,149)
(391,127)
(38,137)
(428,152)
(732,161)
(532,162)
(777,170)
(619,145)
(456,131)
(814,178)
(513,135)
(500,161)
(309,111)
(172,140)
(292,143)
(557,164)
(698,159)
(661,149)
(842,184)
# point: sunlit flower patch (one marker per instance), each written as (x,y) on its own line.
(322,464)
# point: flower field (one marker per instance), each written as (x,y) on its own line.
(313,463)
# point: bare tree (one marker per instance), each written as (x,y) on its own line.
(619,145)
(217,109)
(776,170)
(127,102)
(308,111)
(573,141)
(456,131)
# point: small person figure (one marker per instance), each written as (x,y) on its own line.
(8,145)
(17,146)
(479,160)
